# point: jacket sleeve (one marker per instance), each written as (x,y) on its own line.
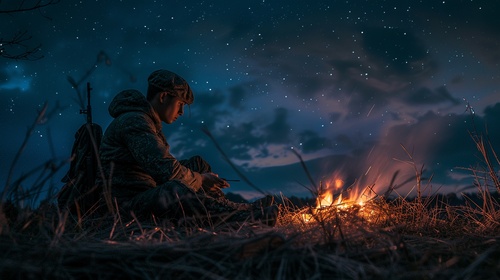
(152,152)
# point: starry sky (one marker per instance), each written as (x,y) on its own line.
(358,89)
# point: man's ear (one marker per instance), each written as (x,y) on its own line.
(163,97)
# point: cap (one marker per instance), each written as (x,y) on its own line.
(170,82)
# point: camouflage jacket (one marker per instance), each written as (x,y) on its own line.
(134,151)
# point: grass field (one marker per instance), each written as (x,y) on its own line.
(393,239)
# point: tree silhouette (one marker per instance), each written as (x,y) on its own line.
(19,46)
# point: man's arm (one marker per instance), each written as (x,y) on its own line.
(152,153)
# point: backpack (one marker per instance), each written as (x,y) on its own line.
(80,195)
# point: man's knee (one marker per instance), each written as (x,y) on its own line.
(172,192)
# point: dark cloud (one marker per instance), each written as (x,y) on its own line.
(242,137)
(434,136)
(457,80)
(482,15)
(489,48)
(362,100)
(428,96)
(394,62)
(397,50)
(209,101)
(264,153)
(244,133)
(278,132)
(343,140)
(312,142)
(245,137)
(334,116)
(240,152)
(442,144)
(237,96)
(491,117)
(208,107)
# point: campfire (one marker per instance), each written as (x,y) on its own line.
(333,196)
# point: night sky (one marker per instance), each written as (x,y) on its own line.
(346,84)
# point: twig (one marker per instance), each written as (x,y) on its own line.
(38,120)
(305,169)
(226,158)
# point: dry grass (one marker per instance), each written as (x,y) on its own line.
(395,239)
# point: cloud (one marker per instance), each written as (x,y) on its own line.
(334,116)
(278,131)
(242,138)
(310,141)
(441,143)
(250,140)
(344,140)
(13,78)
(431,136)
(424,96)
(208,108)
(369,67)
(237,96)
(395,50)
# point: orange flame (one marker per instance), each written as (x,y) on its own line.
(356,196)
(325,200)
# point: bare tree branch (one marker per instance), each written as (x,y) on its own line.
(34,6)
(18,47)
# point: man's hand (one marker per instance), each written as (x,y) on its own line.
(212,182)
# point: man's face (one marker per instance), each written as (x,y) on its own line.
(173,107)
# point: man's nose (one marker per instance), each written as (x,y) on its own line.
(181,110)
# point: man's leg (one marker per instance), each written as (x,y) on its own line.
(216,200)
(175,201)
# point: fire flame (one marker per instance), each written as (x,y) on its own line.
(326,198)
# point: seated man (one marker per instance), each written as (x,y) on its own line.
(146,179)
